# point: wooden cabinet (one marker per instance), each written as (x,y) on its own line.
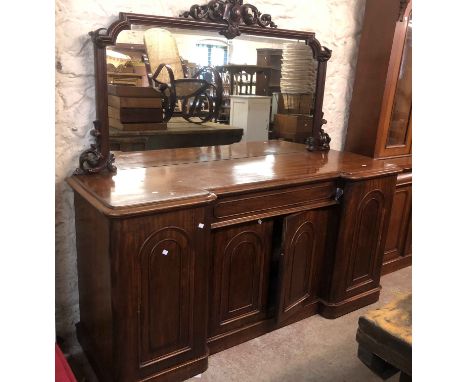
(180,260)
(380,122)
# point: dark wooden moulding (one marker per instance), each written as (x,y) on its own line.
(99,158)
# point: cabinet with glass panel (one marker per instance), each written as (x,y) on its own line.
(380,122)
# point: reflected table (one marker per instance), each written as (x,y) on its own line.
(179,134)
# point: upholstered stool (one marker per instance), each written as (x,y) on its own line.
(385,339)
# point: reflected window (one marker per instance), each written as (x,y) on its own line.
(212,53)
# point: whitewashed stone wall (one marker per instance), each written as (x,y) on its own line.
(337,24)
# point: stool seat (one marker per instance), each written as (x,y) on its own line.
(386,333)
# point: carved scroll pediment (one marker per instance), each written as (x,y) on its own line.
(233,13)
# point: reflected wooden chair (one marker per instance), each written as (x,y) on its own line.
(242,80)
(200,96)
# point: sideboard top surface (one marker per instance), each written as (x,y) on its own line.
(162,179)
(405,162)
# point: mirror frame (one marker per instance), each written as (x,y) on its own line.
(98,157)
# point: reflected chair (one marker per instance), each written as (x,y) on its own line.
(200,96)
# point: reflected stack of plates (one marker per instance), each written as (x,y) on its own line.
(298,70)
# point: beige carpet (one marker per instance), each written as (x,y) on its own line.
(315,349)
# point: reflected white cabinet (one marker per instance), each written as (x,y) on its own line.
(251,113)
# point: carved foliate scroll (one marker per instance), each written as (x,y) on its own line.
(231,12)
(92,160)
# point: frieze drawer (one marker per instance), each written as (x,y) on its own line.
(268,201)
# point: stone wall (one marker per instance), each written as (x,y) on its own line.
(337,24)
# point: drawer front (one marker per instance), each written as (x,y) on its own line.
(262,202)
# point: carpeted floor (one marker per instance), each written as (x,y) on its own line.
(315,349)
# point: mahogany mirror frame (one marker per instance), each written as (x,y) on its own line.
(98,157)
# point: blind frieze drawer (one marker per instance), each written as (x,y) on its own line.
(259,203)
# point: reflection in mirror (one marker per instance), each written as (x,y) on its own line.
(212,91)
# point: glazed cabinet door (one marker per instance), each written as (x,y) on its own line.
(240,276)
(303,248)
(161,292)
(395,123)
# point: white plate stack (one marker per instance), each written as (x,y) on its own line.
(298,70)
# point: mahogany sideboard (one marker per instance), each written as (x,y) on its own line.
(183,253)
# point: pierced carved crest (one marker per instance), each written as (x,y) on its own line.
(234,13)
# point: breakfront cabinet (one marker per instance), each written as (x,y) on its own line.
(184,253)
(380,122)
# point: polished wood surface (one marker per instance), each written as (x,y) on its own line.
(187,252)
(256,166)
(378,127)
(404,162)
(377,71)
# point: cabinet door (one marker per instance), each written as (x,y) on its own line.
(399,225)
(240,276)
(304,237)
(160,294)
(365,214)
